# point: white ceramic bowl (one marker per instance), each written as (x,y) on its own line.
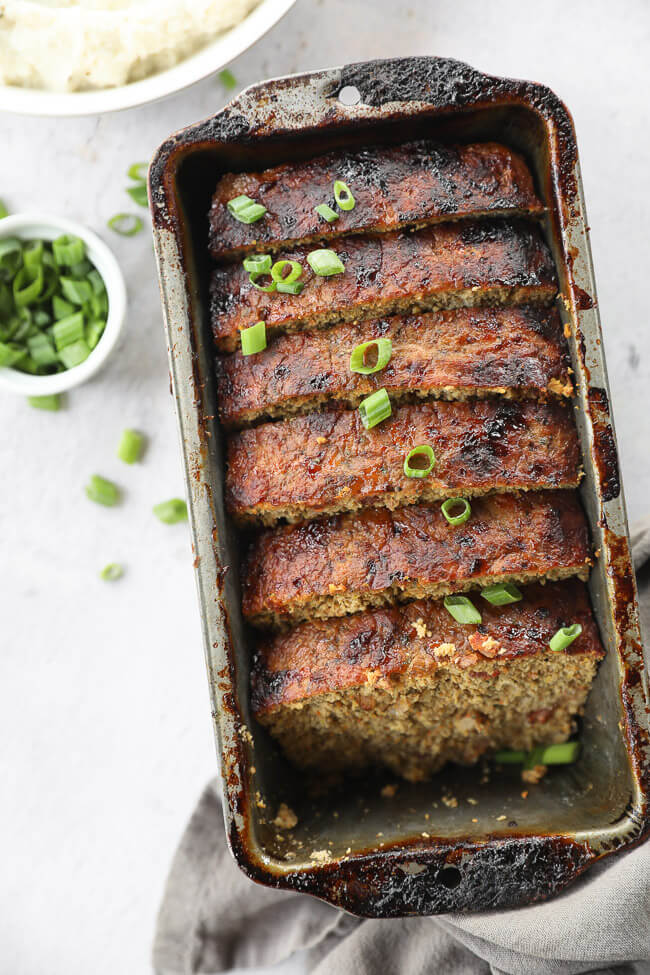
(29,226)
(212,57)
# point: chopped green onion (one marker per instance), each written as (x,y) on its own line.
(102,491)
(565,636)
(81,270)
(68,330)
(278,275)
(61,308)
(33,255)
(420,461)
(171,512)
(27,286)
(254,278)
(41,350)
(227,79)
(375,408)
(325,263)
(238,203)
(68,250)
(96,282)
(44,317)
(258,263)
(245,210)
(11,255)
(74,354)
(502,594)
(125,224)
(564,753)
(462,609)
(138,194)
(291,288)
(111,572)
(130,446)
(326,212)
(447,507)
(77,292)
(51,283)
(138,172)
(509,757)
(372,356)
(253,339)
(94,332)
(10,354)
(343,196)
(3,210)
(51,402)
(41,318)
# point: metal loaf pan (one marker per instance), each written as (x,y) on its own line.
(413,853)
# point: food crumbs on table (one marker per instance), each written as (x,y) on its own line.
(475,820)
(524,794)
(450,801)
(320,856)
(426,836)
(259,802)
(500,818)
(285,818)
(473,802)
(388,791)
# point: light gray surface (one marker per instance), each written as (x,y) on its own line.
(105,737)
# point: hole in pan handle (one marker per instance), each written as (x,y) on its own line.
(349,95)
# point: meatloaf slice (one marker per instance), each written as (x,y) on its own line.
(448,266)
(409,688)
(412,184)
(347,563)
(327,462)
(445,354)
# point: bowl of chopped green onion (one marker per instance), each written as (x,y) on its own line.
(62,304)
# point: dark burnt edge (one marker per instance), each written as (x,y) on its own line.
(474,88)
(537,868)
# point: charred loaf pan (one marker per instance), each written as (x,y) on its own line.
(427,849)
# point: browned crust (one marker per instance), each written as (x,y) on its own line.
(327,462)
(324,656)
(349,562)
(448,355)
(447,266)
(415,183)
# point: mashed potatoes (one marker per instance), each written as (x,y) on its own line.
(77,45)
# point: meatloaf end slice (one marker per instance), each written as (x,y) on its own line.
(410,689)
(413,184)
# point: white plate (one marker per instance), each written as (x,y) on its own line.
(223,50)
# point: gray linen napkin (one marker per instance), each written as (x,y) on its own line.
(213,919)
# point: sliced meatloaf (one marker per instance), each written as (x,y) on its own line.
(327,462)
(409,688)
(412,184)
(468,263)
(467,352)
(350,562)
